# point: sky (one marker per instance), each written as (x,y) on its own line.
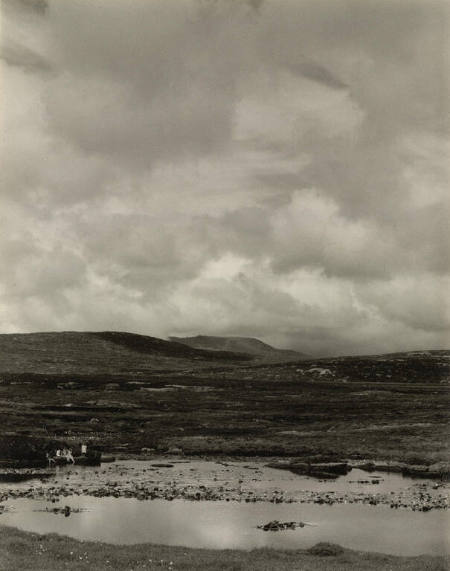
(268,168)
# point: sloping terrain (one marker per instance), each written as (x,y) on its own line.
(248,345)
(127,392)
(114,353)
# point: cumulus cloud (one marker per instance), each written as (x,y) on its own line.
(276,169)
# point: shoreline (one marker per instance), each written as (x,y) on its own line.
(235,481)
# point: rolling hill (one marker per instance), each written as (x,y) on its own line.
(109,352)
(244,345)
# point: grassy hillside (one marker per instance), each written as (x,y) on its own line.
(247,345)
(114,353)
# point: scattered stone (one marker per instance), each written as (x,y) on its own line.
(22,474)
(276,525)
(151,483)
(66,511)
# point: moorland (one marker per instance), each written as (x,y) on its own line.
(141,397)
(132,395)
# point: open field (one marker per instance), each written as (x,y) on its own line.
(29,551)
(108,391)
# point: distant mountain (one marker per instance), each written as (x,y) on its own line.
(108,352)
(244,345)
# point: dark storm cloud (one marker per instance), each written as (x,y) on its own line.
(276,169)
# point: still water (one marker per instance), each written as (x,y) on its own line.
(222,525)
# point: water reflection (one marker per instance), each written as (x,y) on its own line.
(222,525)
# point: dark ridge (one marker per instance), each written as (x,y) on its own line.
(243,345)
(150,345)
(104,353)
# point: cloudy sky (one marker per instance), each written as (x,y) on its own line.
(272,168)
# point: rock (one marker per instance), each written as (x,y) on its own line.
(161,465)
(276,525)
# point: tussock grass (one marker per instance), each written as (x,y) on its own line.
(23,551)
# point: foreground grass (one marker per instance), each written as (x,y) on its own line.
(28,551)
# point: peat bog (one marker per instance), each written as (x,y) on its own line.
(131,394)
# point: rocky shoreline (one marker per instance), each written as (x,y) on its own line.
(420,500)
(158,482)
(23,474)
